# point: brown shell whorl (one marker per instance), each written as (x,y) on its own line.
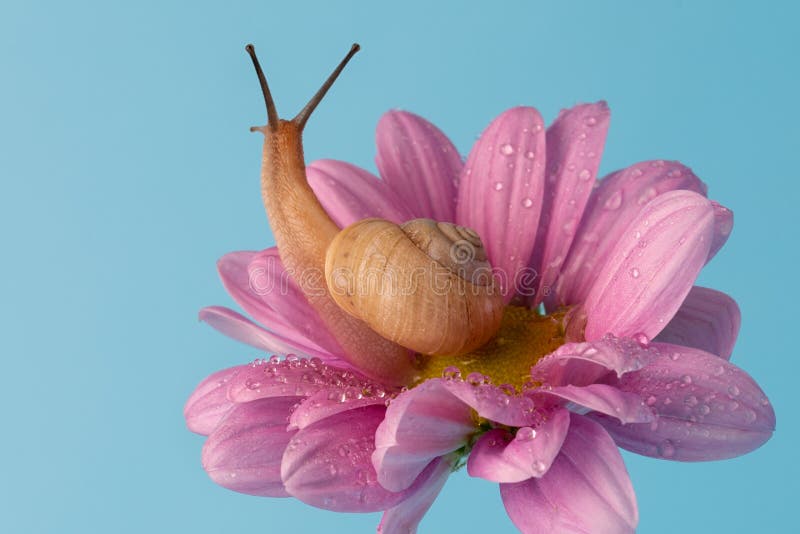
(424,285)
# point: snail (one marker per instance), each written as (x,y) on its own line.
(389,290)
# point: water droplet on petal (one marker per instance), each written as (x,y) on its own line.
(666,449)
(635,272)
(476,379)
(585,174)
(527,203)
(590,121)
(526,433)
(506,149)
(498,186)
(252,384)
(649,194)
(651,400)
(733,390)
(451,373)
(530,154)
(686,379)
(614,201)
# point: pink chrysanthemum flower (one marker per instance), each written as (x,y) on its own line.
(605,342)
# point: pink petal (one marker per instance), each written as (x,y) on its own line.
(328,463)
(581,364)
(575,143)
(252,290)
(292,376)
(707,320)
(624,406)
(608,214)
(404,518)
(707,408)
(500,196)
(244,452)
(267,277)
(652,268)
(493,403)
(586,490)
(349,193)
(242,329)
(500,457)
(333,400)
(208,404)
(419,163)
(421,424)
(723,224)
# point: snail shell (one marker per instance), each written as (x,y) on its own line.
(425,285)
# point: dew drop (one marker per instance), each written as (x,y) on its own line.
(506,149)
(252,384)
(651,400)
(635,272)
(704,409)
(585,174)
(614,201)
(666,449)
(539,466)
(733,390)
(642,339)
(527,203)
(686,379)
(476,379)
(451,373)
(498,186)
(529,154)
(526,433)
(649,194)
(590,121)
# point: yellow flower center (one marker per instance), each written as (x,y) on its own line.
(524,337)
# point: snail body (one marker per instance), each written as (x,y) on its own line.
(440,303)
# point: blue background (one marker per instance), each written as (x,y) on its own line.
(127,170)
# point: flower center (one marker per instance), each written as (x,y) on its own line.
(524,337)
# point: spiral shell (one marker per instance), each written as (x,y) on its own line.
(425,285)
